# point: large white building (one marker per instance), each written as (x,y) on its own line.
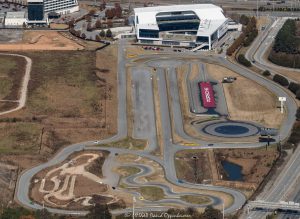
(15,19)
(61,6)
(195,25)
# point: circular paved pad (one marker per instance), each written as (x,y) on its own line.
(231,129)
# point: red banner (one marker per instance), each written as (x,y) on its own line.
(207,95)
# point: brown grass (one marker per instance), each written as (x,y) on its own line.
(244,99)
(255,163)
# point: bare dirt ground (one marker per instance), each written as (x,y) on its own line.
(244,99)
(73,184)
(42,40)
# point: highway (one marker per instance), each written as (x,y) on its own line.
(142,99)
(286,183)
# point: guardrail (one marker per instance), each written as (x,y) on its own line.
(274,205)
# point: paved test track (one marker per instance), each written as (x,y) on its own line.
(169,148)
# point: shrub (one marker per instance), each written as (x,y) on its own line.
(298,95)
(298,114)
(242,60)
(294,87)
(102,33)
(108,33)
(83,36)
(266,73)
(281,80)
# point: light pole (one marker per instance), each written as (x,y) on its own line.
(223,208)
(133,201)
(257,8)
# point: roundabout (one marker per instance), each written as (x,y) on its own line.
(231,129)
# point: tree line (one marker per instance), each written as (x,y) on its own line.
(249,33)
(286,48)
(286,40)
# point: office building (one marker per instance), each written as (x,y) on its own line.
(194,25)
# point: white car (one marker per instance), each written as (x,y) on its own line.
(96,142)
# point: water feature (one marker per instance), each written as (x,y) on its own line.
(234,171)
(231,129)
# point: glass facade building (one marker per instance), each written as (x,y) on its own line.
(35,10)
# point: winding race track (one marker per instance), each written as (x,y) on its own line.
(145,120)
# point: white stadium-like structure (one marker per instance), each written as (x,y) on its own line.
(195,25)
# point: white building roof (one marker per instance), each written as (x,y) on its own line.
(211,16)
(17,14)
(35,1)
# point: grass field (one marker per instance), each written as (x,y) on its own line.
(11,72)
(152,193)
(19,138)
(66,99)
(128,170)
(244,99)
(199,200)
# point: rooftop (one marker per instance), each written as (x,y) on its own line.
(176,8)
(17,14)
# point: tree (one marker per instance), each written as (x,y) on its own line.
(242,60)
(294,87)
(71,23)
(83,36)
(281,80)
(14,213)
(98,38)
(298,95)
(118,10)
(99,212)
(88,18)
(102,33)
(108,33)
(98,24)
(89,26)
(43,214)
(110,13)
(266,73)
(109,23)
(211,213)
(298,114)
(103,5)
(92,12)
(244,19)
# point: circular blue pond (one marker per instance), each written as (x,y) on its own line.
(231,129)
